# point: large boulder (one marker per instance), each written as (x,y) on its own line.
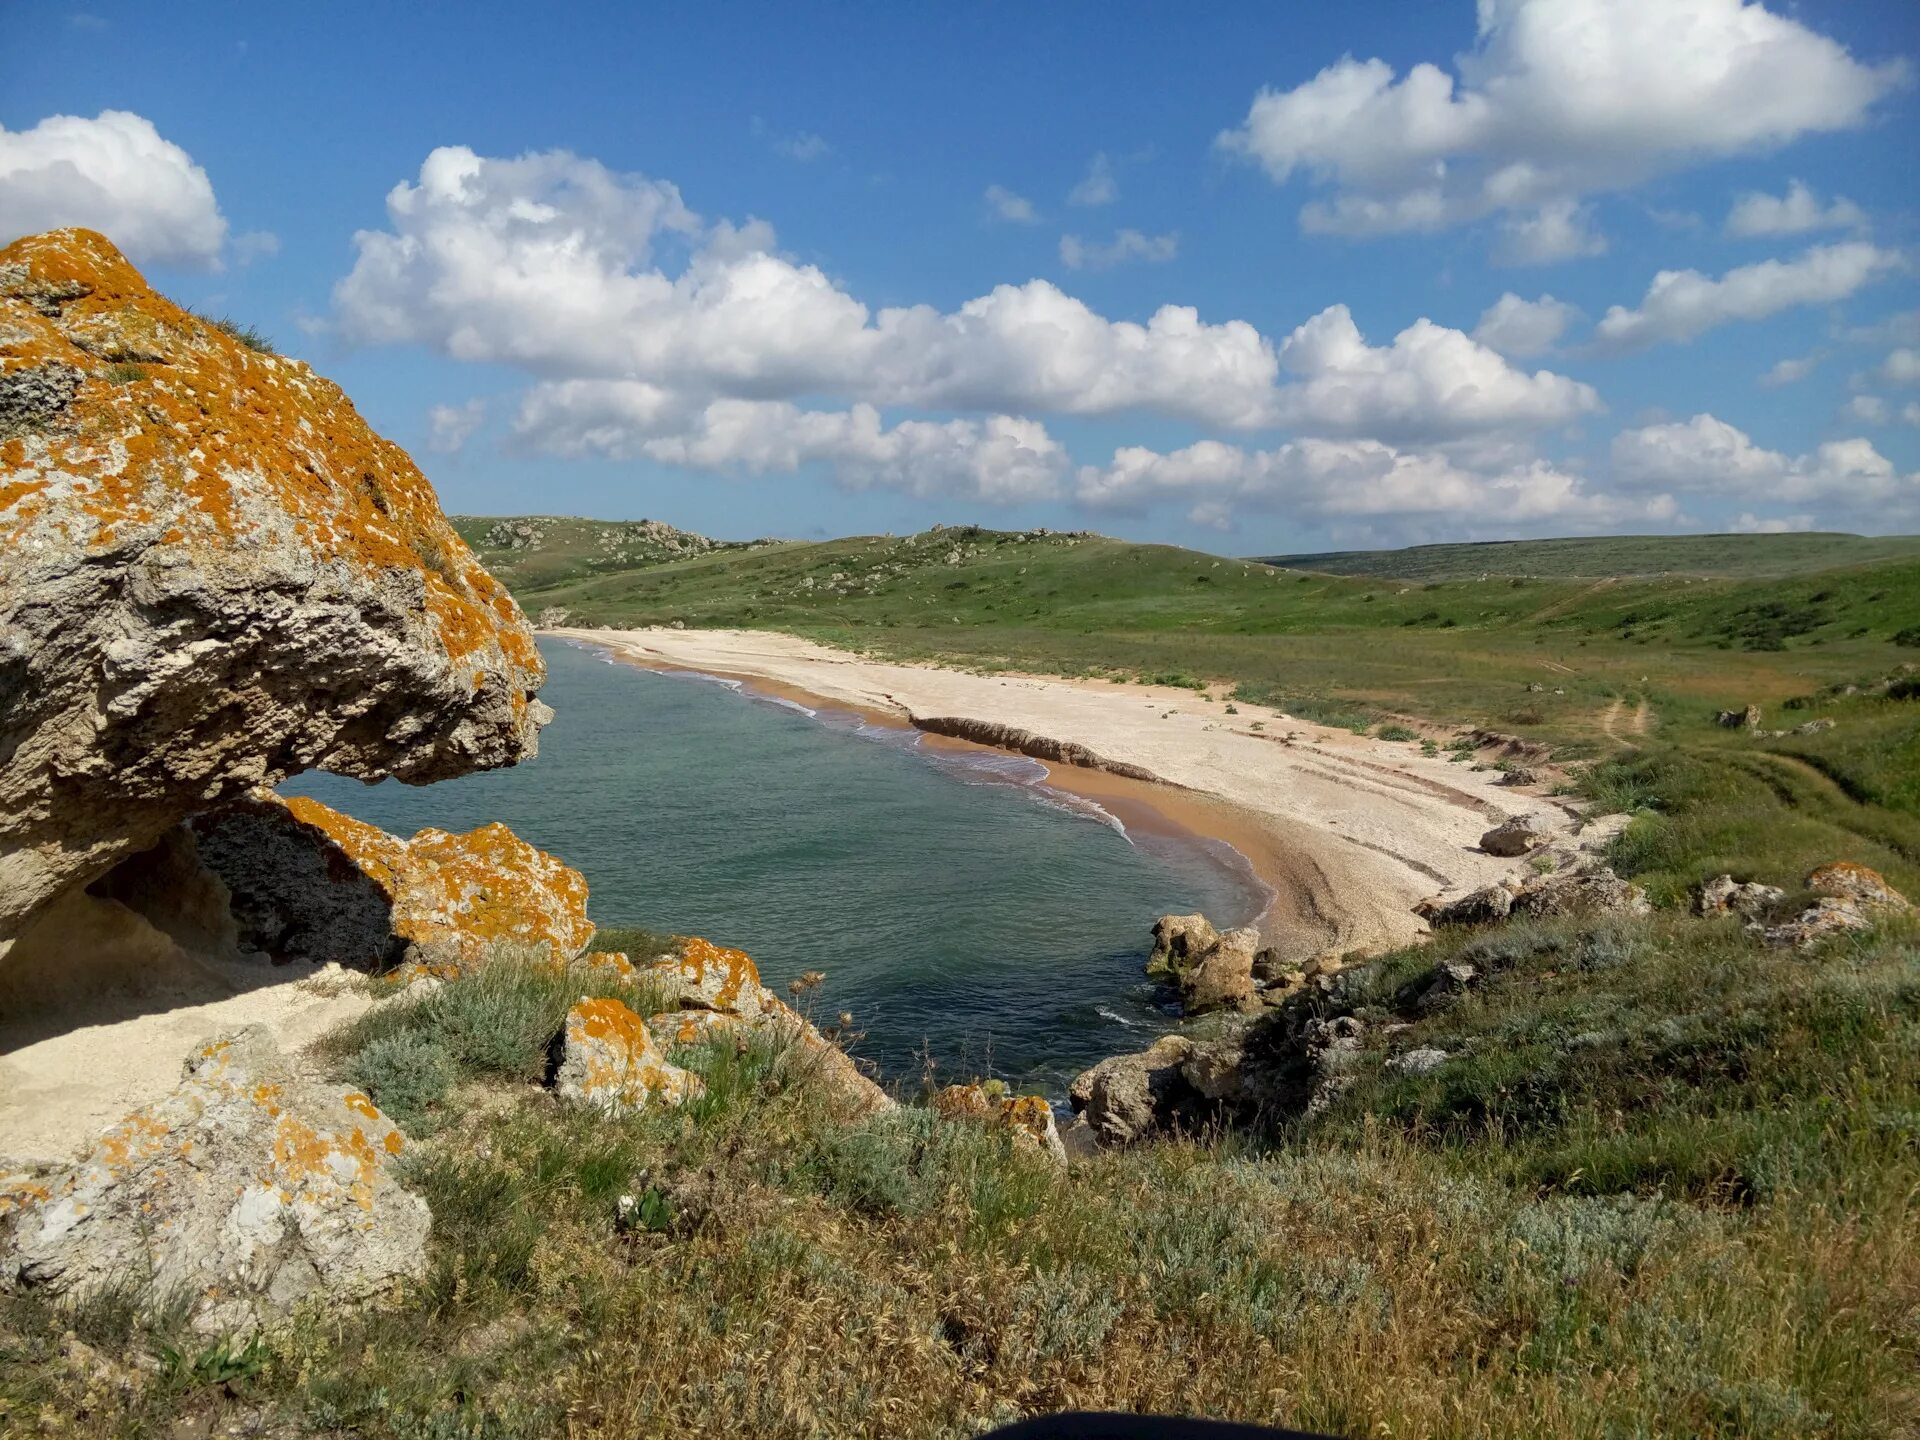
(247,1191)
(1222,978)
(1178,941)
(1723,895)
(1589,890)
(1127,1098)
(1513,838)
(213,575)
(1478,907)
(609,1061)
(1850,897)
(1868,888)
(309,883)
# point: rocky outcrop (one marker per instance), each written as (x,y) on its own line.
(1028,1118)
(1851,898)
(1179,941)
(1025,742)
(247,1190)
(608,1061)
(213,575)
(1588,888)
(309,883)
(1723,895)
(720,996)
(1212,970)
(1127,1098)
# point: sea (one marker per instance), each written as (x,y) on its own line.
(972,920)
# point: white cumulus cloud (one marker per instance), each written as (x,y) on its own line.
(1901,367)
(1707,456)
(1514,326)
(116,174)
(548,262)
(1558,99)
(449,427)
(1681,304)
(1795,213)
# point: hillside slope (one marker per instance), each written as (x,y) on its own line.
(1617,556)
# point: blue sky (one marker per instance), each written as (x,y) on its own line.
(816,269)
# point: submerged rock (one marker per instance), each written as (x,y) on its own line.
(609,1061)
(213,575)
(246,1191)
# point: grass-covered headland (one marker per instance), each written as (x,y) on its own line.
(1664,1181)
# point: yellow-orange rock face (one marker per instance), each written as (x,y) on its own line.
(310,883)
(611,1063)
(213,575)
(1028,1118)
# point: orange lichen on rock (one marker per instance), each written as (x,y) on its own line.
(249,1186)
(1846,880)
(213,575)
(1028,1118)
(609,1061)
(349,892)
(714,977)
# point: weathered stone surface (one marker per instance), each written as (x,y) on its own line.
(720,995)
(1592,890)
(1126,1098)
(1844,880)
(212,575)
(1746,718)
(1724,895)
(1222,978)
(1178,941)
(249,1189)
(1489,903)
(609,1061)
(1423,1061)
(310,883)
(1027,1117)
(1512,838)
(1822,920)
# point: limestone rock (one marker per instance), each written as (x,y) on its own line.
(609,1061)
(1128,1098)
(213,575)
(1844,880)
(1178,941)
(1423,1061)
(1822,920)
(310,883)
(250,1189)
(1593,890)
(1512,838)
(1482,906)
(721,996)
(1747,718)
(1221,978)
(1724,895)
(1027,1117)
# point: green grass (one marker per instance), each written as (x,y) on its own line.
(1718,556)
(248,335)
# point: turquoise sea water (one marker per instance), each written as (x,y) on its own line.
(958,909)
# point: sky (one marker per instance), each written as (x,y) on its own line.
(1256,278)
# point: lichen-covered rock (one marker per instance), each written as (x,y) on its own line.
(1028,1118)
(310,883)
(609,1061)
(1513,838)
(1723,895)
(247,1190)
(713,977)
(1825,918)
(1844,880)
(1592,890)
(720,995)
(213,575)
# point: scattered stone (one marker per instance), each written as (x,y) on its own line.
(1724,895)
(1520,775)
(1481,907)
(1445,984)
(1513,837)
(249,1189)
(1746,719)
(1593,890)
(1027,1117)
(609,1061)
(1814,727)
(1850,897)
(1423,1061)
(1822,920)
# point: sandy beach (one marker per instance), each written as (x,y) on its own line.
(1348,831)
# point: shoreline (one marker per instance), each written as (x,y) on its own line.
(1345,833)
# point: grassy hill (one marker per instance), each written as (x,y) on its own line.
(544,549)
(1618,556)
